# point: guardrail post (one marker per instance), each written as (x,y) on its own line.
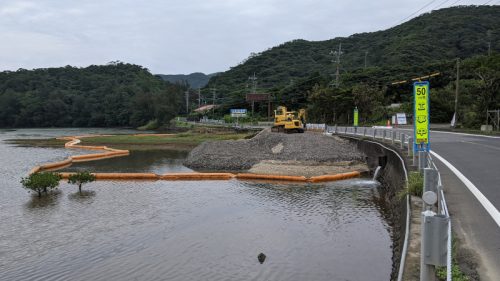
(439,193)
(384,134)
(335,130)
(374,133)
(426,271)
(422,161)
(402,140)
(433,248)
(364,132)
(430,180)
(410,147)
(355,130)
(393,136)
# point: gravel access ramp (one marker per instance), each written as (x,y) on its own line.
(243,154)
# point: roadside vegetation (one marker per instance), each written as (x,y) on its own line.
(456,272)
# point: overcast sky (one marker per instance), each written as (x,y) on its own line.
(182,36)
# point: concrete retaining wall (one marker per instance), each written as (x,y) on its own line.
(392,177)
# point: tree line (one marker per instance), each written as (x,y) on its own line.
(113,95)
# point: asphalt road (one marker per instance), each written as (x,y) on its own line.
(478,159)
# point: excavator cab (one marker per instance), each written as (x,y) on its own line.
(289,121)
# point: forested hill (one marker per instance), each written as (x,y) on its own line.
(444,34)
(116,94)
(194,80)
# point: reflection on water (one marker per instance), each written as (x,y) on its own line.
(48,200)
(210,230)
(154,161)
(86,196)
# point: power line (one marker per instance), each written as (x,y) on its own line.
(425,6)
(442,3)
(487,2)
(455,2)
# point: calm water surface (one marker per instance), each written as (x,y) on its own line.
(210,230)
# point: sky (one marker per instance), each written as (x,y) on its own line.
(183,36)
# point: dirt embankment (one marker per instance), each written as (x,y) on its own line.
(307,154)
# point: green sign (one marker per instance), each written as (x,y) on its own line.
(356,117)
(421,115)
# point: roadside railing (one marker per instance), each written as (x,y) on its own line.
(436,244)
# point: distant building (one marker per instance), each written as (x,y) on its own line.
(206,108)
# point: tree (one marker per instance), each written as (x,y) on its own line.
(81,179)
(41,182)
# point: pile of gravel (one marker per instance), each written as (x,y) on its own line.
(267,145)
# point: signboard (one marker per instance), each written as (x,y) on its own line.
(356,117)
(257,97)
(421,116)
(401,118)
(238,113)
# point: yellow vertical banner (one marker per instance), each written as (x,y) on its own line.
(356,117)
(421,114)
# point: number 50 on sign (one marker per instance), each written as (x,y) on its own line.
(421,116)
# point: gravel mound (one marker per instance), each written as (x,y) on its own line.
(243,154)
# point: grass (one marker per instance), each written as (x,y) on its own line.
(456,272)
(415,186)
(37,142)
(188,138)
(182,141)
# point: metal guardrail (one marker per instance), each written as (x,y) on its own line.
(424,162)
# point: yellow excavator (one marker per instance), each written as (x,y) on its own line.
(289,121)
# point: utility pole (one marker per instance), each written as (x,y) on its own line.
(199,97)
(187,101)
(366,55)
(254,89)
(456,93)
(488,33)
(214,90)
(337,55)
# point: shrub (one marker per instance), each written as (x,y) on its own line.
(81,179)
(41,182)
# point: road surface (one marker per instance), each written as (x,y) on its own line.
(477,158)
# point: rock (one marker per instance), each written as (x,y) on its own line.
(261,257)
(243,154)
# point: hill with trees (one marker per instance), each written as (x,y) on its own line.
(296,72)
(194,80)
(113,95)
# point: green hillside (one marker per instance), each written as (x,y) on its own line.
(194,80)
(112,95)
(428,43)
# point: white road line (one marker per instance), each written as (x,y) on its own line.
(480,144)
(479,196)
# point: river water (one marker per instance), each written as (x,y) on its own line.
(183,230)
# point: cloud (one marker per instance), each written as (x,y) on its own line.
(177,36)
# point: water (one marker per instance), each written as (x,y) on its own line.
(377,171)
(191,230)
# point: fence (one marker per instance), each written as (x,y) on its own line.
(436,248)
(315,126)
